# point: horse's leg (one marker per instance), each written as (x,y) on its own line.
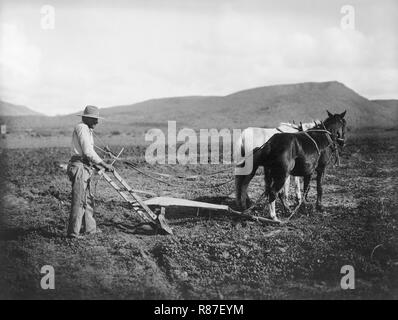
(307,180)
(276,187)
(283,195)
(271,207)
(284,204)
(268,191)
(238,190)
(241,185)
(271,195)
(298,191)
(286,188)
(319,178)
(267,181)
(245,196)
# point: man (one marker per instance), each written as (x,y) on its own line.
(80,170)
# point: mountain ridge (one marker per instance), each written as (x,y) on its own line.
(264,106)
(8,109)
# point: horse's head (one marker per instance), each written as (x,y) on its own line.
(336,125)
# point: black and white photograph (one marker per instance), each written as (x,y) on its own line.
(213,151)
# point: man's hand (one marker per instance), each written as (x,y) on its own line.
(108,167)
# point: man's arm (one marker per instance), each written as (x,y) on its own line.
(84,137)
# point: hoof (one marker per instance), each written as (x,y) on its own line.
(319,208)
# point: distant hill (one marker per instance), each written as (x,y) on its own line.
(263,107)
(14,110)
(392,108)
(387,103)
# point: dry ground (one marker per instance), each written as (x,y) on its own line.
(210,256)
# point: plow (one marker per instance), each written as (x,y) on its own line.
(157,218)
(138,205)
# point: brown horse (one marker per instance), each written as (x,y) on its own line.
(299,154)
(254,138)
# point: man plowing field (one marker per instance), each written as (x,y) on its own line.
(80,170)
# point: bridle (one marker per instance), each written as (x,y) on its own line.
(333,139)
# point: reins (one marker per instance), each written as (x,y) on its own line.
(109,152)
(134,167)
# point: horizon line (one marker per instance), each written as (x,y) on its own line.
(40,114)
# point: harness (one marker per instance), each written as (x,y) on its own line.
(312,139)
(288,124)
(331,142)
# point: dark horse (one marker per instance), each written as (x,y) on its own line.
(298,154)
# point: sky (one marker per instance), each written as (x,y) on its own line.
(119,52)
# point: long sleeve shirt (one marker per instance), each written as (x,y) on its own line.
(83,143)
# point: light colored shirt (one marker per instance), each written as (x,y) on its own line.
(83,143)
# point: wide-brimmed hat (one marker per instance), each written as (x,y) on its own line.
(90,112)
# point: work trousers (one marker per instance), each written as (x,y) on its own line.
(82,199)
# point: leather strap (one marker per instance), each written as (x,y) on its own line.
(317,148)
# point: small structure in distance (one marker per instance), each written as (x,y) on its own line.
(3,129)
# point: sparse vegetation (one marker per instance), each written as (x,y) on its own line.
(211,256)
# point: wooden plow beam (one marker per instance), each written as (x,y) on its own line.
(165,202)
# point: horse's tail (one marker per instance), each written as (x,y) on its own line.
(240,152)
(240,146)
